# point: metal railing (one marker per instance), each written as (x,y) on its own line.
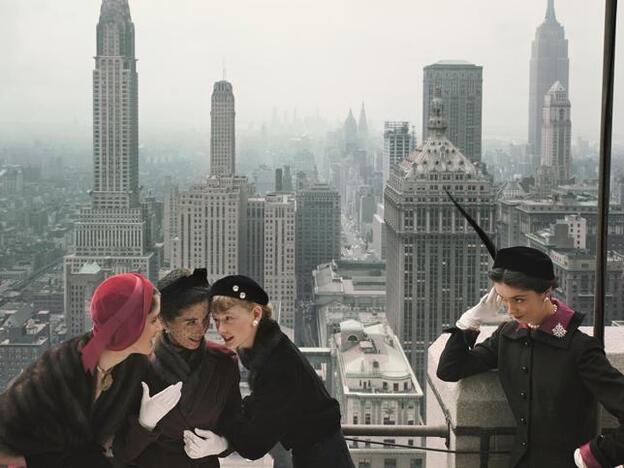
(440,431)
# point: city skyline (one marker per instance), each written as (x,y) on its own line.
(264,73)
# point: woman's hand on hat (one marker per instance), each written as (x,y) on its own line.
(486,311)
(154,408)
(203,443)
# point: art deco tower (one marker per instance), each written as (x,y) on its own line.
(436,264)
(111,235)
(222,130)
(549,63)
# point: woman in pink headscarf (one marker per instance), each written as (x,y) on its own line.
(64,409)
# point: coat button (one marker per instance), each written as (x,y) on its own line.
(525,369)
(524,444)
(523,395)
(523,420)
(526,343)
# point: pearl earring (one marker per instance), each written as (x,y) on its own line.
(255,323)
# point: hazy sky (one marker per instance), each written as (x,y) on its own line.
(325,55)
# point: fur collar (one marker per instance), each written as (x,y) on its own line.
(267,338)
(50,405)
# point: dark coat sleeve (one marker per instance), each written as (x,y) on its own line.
(86,456)
(132,438)
(232,409)
(606,383)
(274,408)
(461,358)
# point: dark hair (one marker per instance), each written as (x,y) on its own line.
(515,279)
(173,300)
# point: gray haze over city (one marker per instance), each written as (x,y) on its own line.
(292,56)
(313,147)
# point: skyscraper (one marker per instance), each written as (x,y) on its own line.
(112,233)
(461,85)
(270,250)
(363,126)
(398,142)
(556,133)
(279,254)
(211,226)
(436,264)
(318,233)
(254,250)
(549,63)
(350,133)
(222,130)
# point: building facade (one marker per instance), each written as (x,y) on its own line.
(222,130)
(376,385)
(279,254)
(557,134)
(398,142)
(317,233)
(461,86)
(436,264)
(211,226)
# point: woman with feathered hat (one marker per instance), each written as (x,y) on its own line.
(551,372)
(63,410)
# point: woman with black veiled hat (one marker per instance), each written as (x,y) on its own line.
(208,370)
(551,372)
(288,401)
(63,410)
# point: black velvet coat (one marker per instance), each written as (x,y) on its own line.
(551,384)
(49,415)
(288,401)
(210,395)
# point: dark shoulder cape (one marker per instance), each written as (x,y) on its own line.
(49,408)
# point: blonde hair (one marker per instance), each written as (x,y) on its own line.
(219,304)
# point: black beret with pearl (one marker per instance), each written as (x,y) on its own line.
(239,287)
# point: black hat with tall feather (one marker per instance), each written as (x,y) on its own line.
(527,260)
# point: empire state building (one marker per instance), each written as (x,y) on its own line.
(549,64)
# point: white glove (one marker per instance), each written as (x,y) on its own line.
(578,459)
(485,311)
(204,444)
(153,409)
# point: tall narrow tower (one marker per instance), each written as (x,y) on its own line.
(556,133)
(111,234)
(222,130)
(115,110)
(549,63)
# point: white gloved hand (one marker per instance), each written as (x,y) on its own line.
(578,459)
(485,311)
(203,443)
(153,409)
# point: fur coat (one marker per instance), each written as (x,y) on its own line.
(49,416)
